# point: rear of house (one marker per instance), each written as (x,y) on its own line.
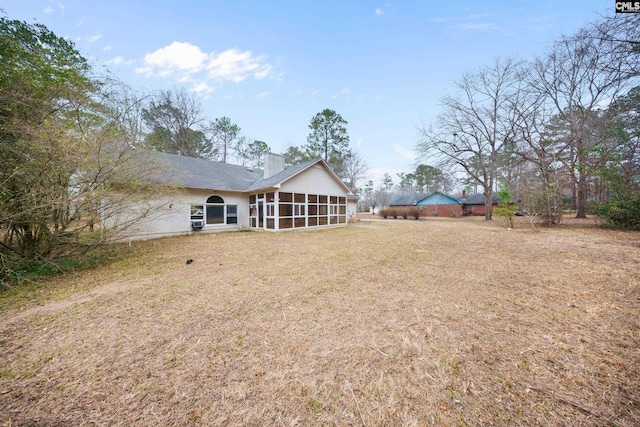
(211,196)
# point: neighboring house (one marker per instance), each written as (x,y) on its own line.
(473,204)
(441,204)
(215,196)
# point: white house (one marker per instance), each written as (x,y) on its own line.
(214,196)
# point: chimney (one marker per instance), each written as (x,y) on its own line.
(273,163)
(464,194)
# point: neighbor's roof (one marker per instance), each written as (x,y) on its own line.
(406,199)
(413,199)
(478,199)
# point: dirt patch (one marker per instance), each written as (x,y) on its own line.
(108,289)
(398,322)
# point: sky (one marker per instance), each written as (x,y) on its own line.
(270,66)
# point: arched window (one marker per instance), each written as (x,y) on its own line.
(215,199)
(215,210)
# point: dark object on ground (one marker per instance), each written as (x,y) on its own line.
(521,212)
(189,261)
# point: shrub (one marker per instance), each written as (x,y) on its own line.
(456,211)
(623,214)
(415,212)
(405,213)
(384,212)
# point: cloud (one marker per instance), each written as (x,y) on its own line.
(183,61)
(107,48)
(48,10)
(480,26)
(359,143)
(407,154)
(263,94)
(118,60)
(202,87)
(236,66)
(95,38)
(344,91)
(379,12)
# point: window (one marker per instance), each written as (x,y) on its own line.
(197,212)
(232,214)
(216,212)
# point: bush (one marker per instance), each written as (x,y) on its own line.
(456,211)
(385,212)
(414,212)
(623,214)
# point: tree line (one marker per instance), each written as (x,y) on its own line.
(561,131)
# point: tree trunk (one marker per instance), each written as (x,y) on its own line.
(488,203)
(581,195)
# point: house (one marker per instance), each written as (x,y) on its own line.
(441,204)
(213,196)
(473,204)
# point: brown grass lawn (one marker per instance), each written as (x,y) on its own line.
(389,323)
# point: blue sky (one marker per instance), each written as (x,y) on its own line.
(270,66)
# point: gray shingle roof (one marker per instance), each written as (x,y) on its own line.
(478,199)
(204,174)
(183,171)
(281,176)
(406,199)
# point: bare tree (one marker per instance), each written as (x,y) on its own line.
(175,124)
(355,170)
(578,77)
(474,128)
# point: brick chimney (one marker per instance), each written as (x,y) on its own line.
(273,163)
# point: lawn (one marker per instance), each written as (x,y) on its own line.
(391,323)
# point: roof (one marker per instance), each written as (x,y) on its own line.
(406,199)
(413,199)
(478,199)
(189,172)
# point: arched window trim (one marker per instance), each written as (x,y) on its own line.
(217,212)
(217,200)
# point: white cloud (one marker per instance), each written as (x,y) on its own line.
(119,60)
(481,26)
(95,38)
(345,91)
(61,6)
(115,60)
(183,61)
(379,12)
(263,94)
(202,87)
(237,66)
(176,57)
(359,143)
(48,10)
(107,48)
(407,154)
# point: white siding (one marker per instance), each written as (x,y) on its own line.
(174,215)
(315,180)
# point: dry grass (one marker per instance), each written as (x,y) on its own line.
(400,322)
